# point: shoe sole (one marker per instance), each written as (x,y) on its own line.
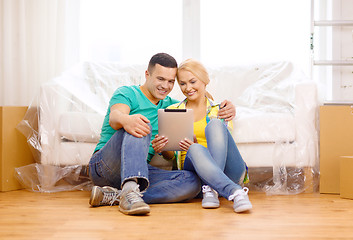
(93,195)
(136,211)
(243,208)
(210,205)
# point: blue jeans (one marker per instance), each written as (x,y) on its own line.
(220,165)
(125,157)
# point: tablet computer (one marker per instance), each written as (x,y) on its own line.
(176,125)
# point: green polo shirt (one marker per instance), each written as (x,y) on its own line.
(138,104)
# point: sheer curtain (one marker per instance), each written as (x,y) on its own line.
(32,47)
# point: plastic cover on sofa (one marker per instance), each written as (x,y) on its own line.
(275,128)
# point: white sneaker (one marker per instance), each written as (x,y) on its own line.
(210,197)
(241,200)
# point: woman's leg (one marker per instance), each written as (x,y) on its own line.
(122,158)
(199,159)
(221,165)
(224,151)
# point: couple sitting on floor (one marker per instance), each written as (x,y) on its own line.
(120,169)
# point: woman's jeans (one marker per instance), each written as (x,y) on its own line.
(220,165)
(125,157)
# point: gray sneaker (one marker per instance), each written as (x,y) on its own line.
(241,200)
(210,197)
(104,196)
(131,202)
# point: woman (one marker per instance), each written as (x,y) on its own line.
(213,154)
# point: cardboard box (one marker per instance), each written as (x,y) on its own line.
(346,177)
(336,140)
(14,150)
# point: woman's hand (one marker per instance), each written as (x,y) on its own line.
(186,143)
(227,110)
(158,143)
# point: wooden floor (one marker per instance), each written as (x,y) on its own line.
(67,215)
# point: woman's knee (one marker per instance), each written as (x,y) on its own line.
(214,124)
(195,147)
(195,150)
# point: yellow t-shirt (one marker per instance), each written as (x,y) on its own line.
(199,131)
(199,127)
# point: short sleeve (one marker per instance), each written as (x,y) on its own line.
(124,95)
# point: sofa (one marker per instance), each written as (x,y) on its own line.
(275,127)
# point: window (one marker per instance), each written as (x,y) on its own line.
(130,31)
(333,48)
(239,32)
(222,32)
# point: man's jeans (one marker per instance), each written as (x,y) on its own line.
(220,165)
(124,157)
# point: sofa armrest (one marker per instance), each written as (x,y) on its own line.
(305,111)
(51,106)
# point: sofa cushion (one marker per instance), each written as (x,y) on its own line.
(264,127)
(268,154)
(75,153)
(80,126)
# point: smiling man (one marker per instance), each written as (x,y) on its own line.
(120,160)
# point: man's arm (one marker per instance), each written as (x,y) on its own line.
(227,110)
(135,124)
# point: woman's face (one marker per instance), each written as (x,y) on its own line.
(191,87)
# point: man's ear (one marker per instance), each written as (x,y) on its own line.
(147,74)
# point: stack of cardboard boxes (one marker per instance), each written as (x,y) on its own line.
(336,150)
(14,150)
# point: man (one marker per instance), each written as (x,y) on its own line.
(119,161)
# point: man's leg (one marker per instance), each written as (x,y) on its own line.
(134,174)
(123,157)
(104,165)
(171,186)
(121,163)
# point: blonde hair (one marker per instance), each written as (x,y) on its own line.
(197,69)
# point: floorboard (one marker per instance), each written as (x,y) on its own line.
(67,215)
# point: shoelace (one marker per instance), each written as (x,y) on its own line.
(207,191)
(110,197)
(134,195)
(239,194)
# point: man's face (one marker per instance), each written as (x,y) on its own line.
(160,82)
